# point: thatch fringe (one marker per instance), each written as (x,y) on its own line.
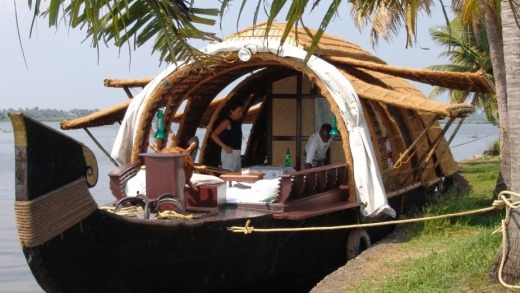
(105,117)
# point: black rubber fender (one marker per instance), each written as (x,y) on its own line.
(358,240)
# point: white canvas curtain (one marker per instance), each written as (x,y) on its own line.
(369,186)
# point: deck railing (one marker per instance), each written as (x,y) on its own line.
(309,182)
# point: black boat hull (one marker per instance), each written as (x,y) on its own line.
(110,253)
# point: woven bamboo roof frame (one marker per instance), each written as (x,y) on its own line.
(344,55)
(372,79)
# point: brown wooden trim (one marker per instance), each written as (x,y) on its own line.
(137,82)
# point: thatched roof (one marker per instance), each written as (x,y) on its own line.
(371,77)
(105,117)
(338,51)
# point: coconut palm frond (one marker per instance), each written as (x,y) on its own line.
(448,68)
(468,50)
(388,16)
(169,24)
(329,15)
(437,91)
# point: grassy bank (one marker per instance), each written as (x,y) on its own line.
(452,255)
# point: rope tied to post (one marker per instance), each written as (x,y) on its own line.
(503,228)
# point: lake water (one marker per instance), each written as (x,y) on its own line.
(15,275)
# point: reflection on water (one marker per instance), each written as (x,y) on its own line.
(15,275)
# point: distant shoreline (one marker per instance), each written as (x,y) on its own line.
(47,115)
(55,115)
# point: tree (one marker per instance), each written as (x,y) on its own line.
(171,22)
(468,52)
(511,43)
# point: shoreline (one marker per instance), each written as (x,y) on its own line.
(379,260)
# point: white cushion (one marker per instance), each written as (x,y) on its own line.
(200,179)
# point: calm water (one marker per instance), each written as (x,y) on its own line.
(15,275)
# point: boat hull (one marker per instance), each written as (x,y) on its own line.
(110,253)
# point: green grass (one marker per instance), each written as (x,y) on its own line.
(449,255)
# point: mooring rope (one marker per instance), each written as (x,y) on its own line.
(505,245)
(497,204)
(249,229)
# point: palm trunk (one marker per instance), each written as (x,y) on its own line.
(494,35)
(511,37)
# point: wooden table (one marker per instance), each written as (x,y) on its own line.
(249,177)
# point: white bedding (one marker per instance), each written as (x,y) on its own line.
(264,190)
(137,184)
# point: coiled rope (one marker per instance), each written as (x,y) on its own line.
(135,211)
(45,217)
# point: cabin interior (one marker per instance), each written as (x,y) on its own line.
(284,111)
(285,106)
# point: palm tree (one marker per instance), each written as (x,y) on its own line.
(171,23)
(387,16)
(511,43)
(468,53)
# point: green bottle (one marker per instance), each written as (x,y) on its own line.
(159,134)
(288,158)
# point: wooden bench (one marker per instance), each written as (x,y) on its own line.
(312,192)
(309,182)
(120,176)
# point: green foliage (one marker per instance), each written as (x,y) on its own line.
(169,24)
(494,150)
(449,255)
(468,50)
(456,263)
(387,17)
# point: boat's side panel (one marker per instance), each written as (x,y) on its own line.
(47,159)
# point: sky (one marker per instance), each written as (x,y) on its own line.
(64,71)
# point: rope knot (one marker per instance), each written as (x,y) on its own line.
(507,200)
(498,204)
(246,229)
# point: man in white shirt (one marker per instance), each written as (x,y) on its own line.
(317,146)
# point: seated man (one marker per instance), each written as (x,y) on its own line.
(317,146)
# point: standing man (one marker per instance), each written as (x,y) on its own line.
(317,146)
